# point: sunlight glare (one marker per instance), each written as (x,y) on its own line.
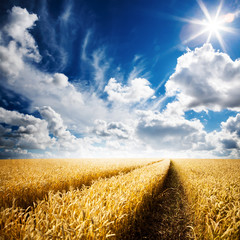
(229,17)
(213,25)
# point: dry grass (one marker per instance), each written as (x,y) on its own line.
(26,181)
(106,210)
(213,190)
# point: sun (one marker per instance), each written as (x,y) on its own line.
(212,25)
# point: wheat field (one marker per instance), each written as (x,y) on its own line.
(213,190)
(107,209)
(110,199)
(27,180)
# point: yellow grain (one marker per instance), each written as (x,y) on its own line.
(213,190)
(27,180)
(106,210)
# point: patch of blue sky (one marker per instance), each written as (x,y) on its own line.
(11,100)
(210,119)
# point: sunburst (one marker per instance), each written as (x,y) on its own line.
(212,25)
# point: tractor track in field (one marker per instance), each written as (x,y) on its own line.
(64,186)
(170,217)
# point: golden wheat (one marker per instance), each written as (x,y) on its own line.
(213,190)
(106,210)
(25,181)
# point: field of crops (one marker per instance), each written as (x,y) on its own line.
(213,191)
(110,199)
(26,181)
(106,209)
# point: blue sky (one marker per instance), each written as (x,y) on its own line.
(115,78)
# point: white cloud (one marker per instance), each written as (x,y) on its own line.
(55,122)
(174,108)
(112,129)
(85,45)
(17,43)
(16,153)
(53,90)
(138,69)
(230,133)
(96,61)
(206,79)
(100,66)
(137,90)
(10,60)
(226,142)
(19,22)
(78,108)
(164,131)
(27,132)
(31,132)
(232,125)
(39,87)
(229,143)
(49,89)
(65,140)
(59,79)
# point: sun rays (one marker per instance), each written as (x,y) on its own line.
(211,25)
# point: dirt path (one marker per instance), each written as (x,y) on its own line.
(169,218)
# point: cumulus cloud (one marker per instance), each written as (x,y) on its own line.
(78,108)
(229,143)
(19,22)
(55,122)
(60,79)
(54,90)
(65,140)
(232,125)
(17,153)
(39,87)
(17,43)
(206,79)
(10,61)
(24,131)
(226,142)
(163,131)
(113,129)
(138,89)
(229,136)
